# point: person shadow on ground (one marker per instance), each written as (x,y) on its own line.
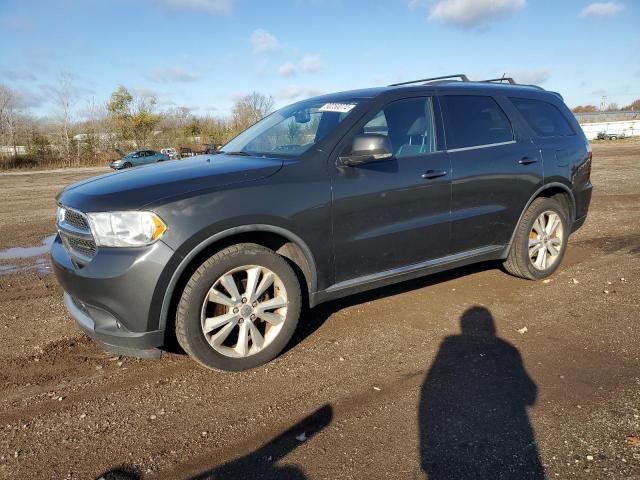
(473,421)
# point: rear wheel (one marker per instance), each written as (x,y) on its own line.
(540,240)
(239,308)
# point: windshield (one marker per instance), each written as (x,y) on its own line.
(291,130)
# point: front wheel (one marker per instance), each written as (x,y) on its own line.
(540,240)
(239,309)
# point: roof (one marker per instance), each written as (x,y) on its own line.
(495,86)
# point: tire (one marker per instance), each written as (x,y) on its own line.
(127,165)
(196,308)
(520,263)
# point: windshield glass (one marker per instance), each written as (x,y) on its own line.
(291,130)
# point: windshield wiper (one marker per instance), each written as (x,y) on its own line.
(240,153)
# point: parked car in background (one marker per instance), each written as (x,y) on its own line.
(212,148)
(186,152)
(610,136)
(322,199)
(137,158)
(172,153)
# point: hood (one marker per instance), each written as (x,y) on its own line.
(135,187)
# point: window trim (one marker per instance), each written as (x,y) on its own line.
(476,147)
(447,118)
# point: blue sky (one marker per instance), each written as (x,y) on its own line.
(203,54)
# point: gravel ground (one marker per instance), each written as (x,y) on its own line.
(466,374)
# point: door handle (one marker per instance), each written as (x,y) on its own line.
(429,174)
(527,161)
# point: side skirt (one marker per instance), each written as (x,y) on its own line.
(407,272)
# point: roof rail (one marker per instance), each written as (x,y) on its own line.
(500,80)
(461,76)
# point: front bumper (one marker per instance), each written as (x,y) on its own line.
(116,166)
(110,334)
(111,296)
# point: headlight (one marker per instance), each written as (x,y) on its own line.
(126,229)
(60,214)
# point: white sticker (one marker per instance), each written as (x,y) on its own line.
(336,107)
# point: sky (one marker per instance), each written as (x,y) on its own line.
(204,54)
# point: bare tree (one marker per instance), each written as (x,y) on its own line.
(251,108)
(5,98)
(65,99)
(9,115)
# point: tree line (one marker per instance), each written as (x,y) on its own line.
(127,121)
(612,107)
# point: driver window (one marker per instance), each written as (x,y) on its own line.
(409,124)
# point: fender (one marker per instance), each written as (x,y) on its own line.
(166,302)
(533,197)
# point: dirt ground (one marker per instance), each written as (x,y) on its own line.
(381,385)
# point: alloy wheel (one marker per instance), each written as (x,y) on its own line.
(546,240)
(244,311)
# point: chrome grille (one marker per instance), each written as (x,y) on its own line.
(77,237)
(76,219)
(85,247)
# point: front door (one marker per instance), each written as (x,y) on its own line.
(395,212)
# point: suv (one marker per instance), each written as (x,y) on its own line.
(324,198)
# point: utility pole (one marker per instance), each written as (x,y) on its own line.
(603,103)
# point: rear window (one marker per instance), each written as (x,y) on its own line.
(544,118)
(474,121)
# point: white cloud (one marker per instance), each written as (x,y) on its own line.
(211,6)
(24,98)
(171,75)
(601,9)
(296,91)
(287,69)
(531,77)
(311,64)
(308,64)
(470,14)
(263,41)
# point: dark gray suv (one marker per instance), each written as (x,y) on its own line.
(321,199)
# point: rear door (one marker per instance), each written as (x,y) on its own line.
(565,149)
(496,168)
(396,212)
(150,156)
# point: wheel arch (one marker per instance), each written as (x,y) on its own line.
(555,190)
(281,240)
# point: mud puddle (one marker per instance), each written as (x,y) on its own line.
(36,258)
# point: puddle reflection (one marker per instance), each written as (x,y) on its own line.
(40,263)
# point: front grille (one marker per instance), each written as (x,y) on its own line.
(76,219)
(85,247)
(77,237)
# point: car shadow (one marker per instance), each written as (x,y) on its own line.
(472,414)
(312,319)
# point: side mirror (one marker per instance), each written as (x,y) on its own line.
(135,155)
(367,148)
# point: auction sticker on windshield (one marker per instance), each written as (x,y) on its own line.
(337,107)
